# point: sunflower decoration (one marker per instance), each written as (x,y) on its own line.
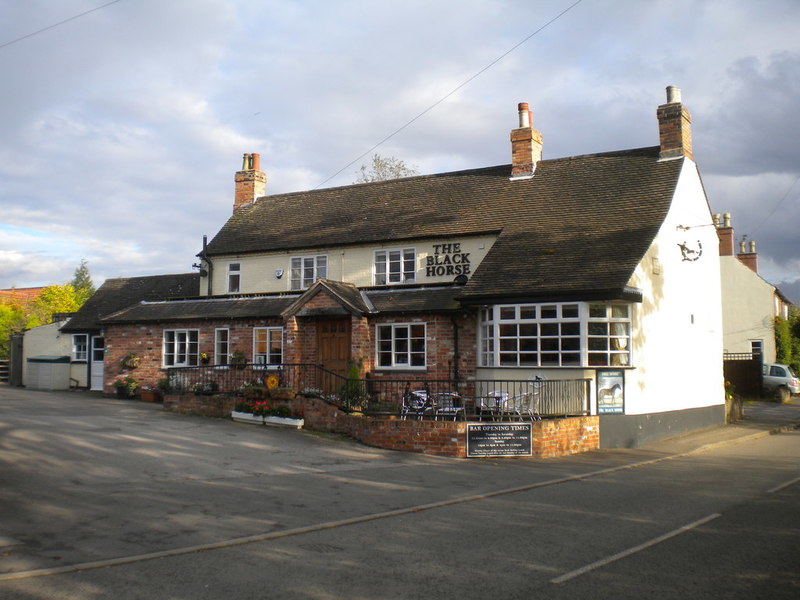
(272,382)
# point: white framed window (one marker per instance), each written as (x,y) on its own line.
(268,345)
(757,347)
(555,335)
(401,346)
(234,277)
(609,330)
(221,345)
(305,270)
(80,346)
(395,266)
(181,347)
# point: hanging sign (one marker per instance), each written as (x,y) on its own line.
(611,392)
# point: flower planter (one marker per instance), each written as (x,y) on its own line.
(284,422)
(150,396)
(243,417)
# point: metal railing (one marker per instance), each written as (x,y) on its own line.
(480,398)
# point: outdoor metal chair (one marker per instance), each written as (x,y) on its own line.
(448,405)
(415,404)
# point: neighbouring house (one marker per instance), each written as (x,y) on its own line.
(750,304)
(600,267)
(88,347)
(19,295)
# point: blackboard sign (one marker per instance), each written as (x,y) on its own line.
(499,439)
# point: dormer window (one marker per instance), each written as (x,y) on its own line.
(395,266)
(234,277)
(305,270)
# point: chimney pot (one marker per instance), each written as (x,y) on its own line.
(752,247)
(524,115)
(673,94)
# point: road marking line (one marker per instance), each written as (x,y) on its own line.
(240,541)
(635,549)
(778,488)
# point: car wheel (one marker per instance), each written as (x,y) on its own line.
(782,395)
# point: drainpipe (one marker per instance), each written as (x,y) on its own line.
(209,265)
(456,354)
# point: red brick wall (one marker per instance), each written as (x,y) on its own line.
(146,341)
(550,438)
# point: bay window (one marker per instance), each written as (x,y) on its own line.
(555,335)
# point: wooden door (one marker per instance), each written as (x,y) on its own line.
(333,344)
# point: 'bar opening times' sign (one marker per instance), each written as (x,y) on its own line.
(499,439)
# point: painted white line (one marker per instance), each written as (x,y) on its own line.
(778,488)
(240,541)
(635,549)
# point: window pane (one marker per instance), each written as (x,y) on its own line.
(570,328)
(527,312)
(549,312)
(619,311)
(597,311)
(508,312)
(569,311)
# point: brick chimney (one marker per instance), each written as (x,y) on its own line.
(748,258)
(526,145)
(251,182)
(725,233)
(674,127)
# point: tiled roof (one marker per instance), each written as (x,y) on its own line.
(203,308)
(578,227)
(396,300)
(119,293)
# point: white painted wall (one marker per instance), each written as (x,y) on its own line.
(352,265)
(748,308)
(677,346)
(45,340)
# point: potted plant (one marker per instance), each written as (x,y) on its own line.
(206,388)
(204,358)
(150,393)
(125,386)
(238,359)
(164,386)
(130,361)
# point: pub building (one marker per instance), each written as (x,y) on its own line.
(599,268)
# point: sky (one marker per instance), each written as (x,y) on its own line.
(123,123)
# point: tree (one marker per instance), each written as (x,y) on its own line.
(12,320)
(82,283)
(53,299)
(383,169)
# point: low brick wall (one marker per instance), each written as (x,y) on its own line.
(551,437)
(204,406)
